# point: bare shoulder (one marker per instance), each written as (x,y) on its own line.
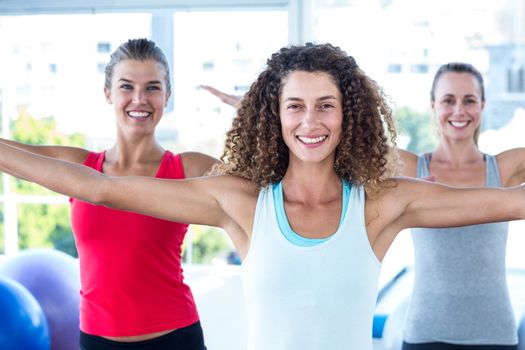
(408,163)
(197,164)
(230,191)
(235,188)
(235,196)
(510,155)
(238,199)
(382,207)
(395,195)
(384,210)
(379,201)
(511,164)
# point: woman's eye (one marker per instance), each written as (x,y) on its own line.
(327,106)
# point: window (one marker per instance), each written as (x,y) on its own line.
(227,58)
(516,80)
(394,68)
(26,63)
(104,47)
(419,68)
(208,66)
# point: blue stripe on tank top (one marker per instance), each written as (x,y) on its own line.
(284,224)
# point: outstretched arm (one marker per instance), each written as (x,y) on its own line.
(185,201)
(407,203)
(435,205)
(72,154)
(232,100)
(416,203)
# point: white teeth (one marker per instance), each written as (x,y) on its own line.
(458,124)
(135,114)
(310,140)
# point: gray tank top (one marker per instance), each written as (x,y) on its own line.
(460,293)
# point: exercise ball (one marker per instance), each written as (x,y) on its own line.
(23,325)
(521,334)
(395,325)
(53,278)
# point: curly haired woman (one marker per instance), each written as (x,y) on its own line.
(447,310)
(306,195)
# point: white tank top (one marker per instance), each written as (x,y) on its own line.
(310,297)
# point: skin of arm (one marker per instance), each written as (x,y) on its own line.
(232,100)
(197,164)
(512,166)
(71,154)
(223,201)
(229,202)
(407,203)
(409,163)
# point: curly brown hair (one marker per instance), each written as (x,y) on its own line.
(255,148)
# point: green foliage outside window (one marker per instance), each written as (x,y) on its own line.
(208,243)
(43,225)
(27,129)
(418,127)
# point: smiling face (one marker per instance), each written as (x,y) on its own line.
(458,105)
(311,116)
(139,94)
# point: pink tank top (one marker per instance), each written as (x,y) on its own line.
(130,266)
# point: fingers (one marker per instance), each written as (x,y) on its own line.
(232,100)
(431,178)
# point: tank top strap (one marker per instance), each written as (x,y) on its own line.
(492,171)
(171,166)
(95,160)
(423,165)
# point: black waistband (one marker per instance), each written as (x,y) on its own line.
(187,338)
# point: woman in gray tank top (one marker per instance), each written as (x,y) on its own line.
(460,297)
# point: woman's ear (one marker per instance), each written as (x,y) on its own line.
(168,94)
(107,93)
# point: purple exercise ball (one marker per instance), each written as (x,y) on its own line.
(53,278)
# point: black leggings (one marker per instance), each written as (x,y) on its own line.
(187,338)
(447,346)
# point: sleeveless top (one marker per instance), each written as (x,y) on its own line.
(460,293)
(130,266)
(309,297)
